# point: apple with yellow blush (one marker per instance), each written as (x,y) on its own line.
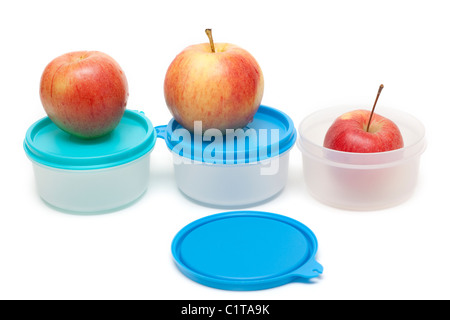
(219,84)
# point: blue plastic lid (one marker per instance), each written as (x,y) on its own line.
(270,134)
(246,250)
(46,144)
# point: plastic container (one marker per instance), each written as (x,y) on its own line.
(360,181)
(91,176)
(241,168)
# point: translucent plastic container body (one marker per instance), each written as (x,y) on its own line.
(360,181)
(93,191)
(233,185)
(91,175)
(236,169)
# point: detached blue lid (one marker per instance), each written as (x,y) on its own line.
(270,134)
(246,250)
(46,144)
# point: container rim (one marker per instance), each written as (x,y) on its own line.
(99,169)
(186,160)
(273,118)
(39,153)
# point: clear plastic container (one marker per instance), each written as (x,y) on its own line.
(95,175)
(233,185)
(93,191)
(248,169)
(360,181)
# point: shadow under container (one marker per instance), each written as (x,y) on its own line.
(240,168)
(360,181)
(91,175)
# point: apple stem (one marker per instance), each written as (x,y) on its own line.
(211,42)
(373,108)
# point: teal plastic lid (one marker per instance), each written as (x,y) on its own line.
(48,145)
(269,134)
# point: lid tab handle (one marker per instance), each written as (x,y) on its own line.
(161,131)
(310,269)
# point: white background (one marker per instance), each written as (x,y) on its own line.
(313,54)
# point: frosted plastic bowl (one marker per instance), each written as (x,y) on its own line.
(360,181)
(91,176)
(247,172)
(93,191)
(233,185)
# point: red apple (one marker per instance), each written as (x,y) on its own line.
(349,133)
(219,84)
(84,93)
